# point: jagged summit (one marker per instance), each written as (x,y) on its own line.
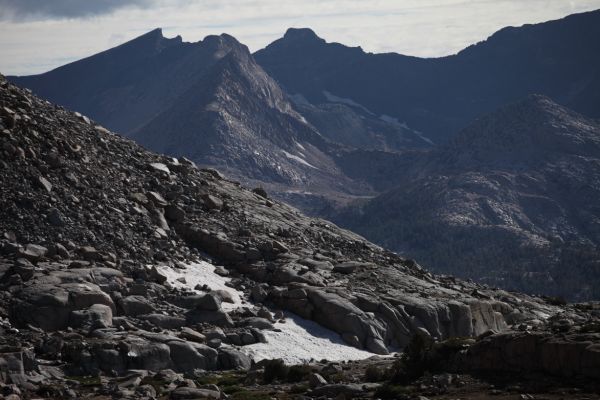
(224,41)
(440,96)
(135,80)
(302,34)
(156,32)
(237,117)
(152,41)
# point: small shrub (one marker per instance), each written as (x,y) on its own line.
(298,389)
(156,383)
(245,394)
(232,389)
(374,374)
(229,380)
(86,380)
(591,327)
(207,380)
(261,192)
(415,360)
(390,391)
(338,377)
(298,373)
(275,370)
(555,300)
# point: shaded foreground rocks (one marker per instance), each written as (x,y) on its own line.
(81,294)
(572,355)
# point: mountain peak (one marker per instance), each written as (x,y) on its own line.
(156,32)
(155,35)
(302,34)
(153,39)
(225,42)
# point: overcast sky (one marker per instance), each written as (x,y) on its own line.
(38,35)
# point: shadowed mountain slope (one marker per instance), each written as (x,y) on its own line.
(512,200)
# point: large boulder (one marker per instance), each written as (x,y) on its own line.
(219,318)
(144,354)
(188,356)
(331,310)
(165,321)
(209,302)
(135,305)
(49,305)
(96,316)
(230,358)
(10,364)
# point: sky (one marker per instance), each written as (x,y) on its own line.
(39,35)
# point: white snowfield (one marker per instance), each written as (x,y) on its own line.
(298,341)
(301,340)
(395,121)
(202,273)
(337,99)
(299,159)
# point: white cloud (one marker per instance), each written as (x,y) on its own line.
(425,28)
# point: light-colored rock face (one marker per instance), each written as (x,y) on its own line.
(382,324)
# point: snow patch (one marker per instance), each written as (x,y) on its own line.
(299,159)
(293,191)
(301,340)
(394,121)
(336,99)
(202,273)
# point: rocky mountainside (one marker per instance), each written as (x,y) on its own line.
(512,200)
(93,225)
(440,96)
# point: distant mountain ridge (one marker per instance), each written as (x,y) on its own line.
(440,96)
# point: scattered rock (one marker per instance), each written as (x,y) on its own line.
(315,380)
(44,184)
(135,305)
